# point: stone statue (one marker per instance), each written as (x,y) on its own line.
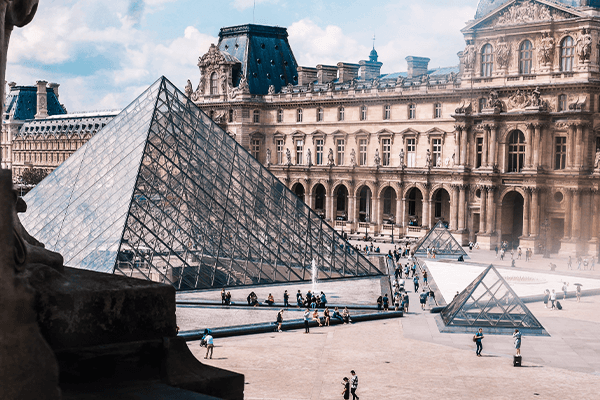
(308,157)
(425,79)
(353,158)
(493,101)
(453,159)
(310,87)
(377,158)
(447,162)
(597,159)
(268,160)
(330,86)
(188,89)
(271,89)
(438,163)
(469,56)
(243,86)
(400,80)
(330,160)
(428,159)
(375,83)
(546,49)
(583,45)
(502,54)
(401,158)
(536,101)
(288,157)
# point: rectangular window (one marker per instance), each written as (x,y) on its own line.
(437,112)
(412,111)
(362,152)
(319,155)
(560,154)
(255,148)
(436,158)
(319,115)
(279,115)
(386,152)
(341,148)
(299,151)
(562,102)
(299,115)
(279,147)
(256,117)
(479,152)
(411,152)
(230,115)
(387,112)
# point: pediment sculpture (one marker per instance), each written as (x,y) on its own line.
(212,58)
(528,11)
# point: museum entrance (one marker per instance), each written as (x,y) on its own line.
(364,211)
(341,203)
(298,190)
(512,218)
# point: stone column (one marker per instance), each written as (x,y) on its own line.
(536,148)
(457,144)
(351,209)
(529,147)
(397,215)
(578,146)
(454,209)
(499,221)
(379,213)
(404,213)
(461,207)
(328,207)
(571,147)
(463,146)
(596,218)
(526,207)
(567,203)
(425,207)
(490,212)
(484,150)
(535,212)
(576,215)
(492,157)
(482,209)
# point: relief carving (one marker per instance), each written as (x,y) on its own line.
(583,45)
(469,56)
(546,49)
(502,54)
(528,11)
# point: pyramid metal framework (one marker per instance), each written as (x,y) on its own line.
(489,302)
(440,239)
(163,193)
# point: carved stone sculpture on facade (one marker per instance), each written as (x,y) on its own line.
(400,80)
(546,49)
(308,157)
(528,11)
(469,56)
(271,89)
(288,157)
(428,159)
(519,100)
(268,158)
(583,46)
(401,158)
(188,89)
(330,160)
(502,54)
(377,159)
(494,102)
(597,160)
(535,99)
(375,83)
(464,108)
(353,158)
(438,163)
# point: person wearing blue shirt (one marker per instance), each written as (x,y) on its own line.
(416,282)
(517,337)
(478,338)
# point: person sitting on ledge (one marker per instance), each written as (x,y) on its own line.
(270,300)
(326,316)
(336,315)
(346,316)
(315,317)
(253,299)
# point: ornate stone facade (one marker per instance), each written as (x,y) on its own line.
(502,148)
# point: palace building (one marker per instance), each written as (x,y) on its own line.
(504,146)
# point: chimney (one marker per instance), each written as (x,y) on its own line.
(54,87)
(42,100)
(326,73)
(347,71)
(306,75)
(417,66)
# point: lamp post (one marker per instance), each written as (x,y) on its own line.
(392,220)
(545,226)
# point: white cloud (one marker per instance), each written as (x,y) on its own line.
(242,5)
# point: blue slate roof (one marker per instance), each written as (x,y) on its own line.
(23,100)
(265,55)
(487,6)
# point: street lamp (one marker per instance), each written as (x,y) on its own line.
(392,220)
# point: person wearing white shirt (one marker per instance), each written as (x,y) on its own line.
(553,298)
(209,345)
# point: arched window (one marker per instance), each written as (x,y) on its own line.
(567,51)
(516,151)
(437,110)
(319,114)
(525,57)
(214,84)
(487,60)
(341,113)
(363,113)
(412,111)
(299,115)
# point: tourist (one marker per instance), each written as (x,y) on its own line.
(512,263)
(546,298)
(336,315)
(385,302)
(299,298)
(354,385)
(323,300)
(585,264)
(512,254)
(519,254)
(423,298)
(397,273)
(502,255)
(270,300)
(286,299)
(569,263)
(517,337)
(279,319)
(424,278)
(496,250)
(396,301)
(593,264)
(306,319)
(326,316)
(308,298)
(228,299)
(223,294)
(315,317)
(406,270)
(346,315)
(346,391)
(564,289)
(379,303)
(553,298)
(416,283)
(579,260)
(405,300)
(414,268)
(209,345)
(432,295)
(578,293)
(477,339)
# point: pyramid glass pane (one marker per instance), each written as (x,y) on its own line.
(489,302)
(441,240)
(162,193)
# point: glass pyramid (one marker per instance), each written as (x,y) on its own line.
(489,302)
(163,193)
(440,239)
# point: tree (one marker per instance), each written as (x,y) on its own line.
(33,176)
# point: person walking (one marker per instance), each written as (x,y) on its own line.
(416,282)
(496,250)
(578,293)
(286,299)
(569,263)
(386,301)
(228,299)
(423,298)
(546,298)
(279,320)
(517,337)
(306,319)
(346,391)
(354,385)
(478,338)
(553,298)
(564,289)
(209,345)
(223,295)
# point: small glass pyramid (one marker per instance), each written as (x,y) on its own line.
(489,302)
(162,193)
(441,240)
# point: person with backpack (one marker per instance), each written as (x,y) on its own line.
(477,339)
(353,385)
(286,299)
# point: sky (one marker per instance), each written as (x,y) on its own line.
(104,53)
